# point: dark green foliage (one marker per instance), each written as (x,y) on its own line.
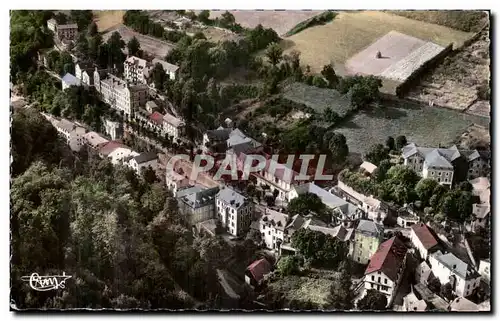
(288,265)
(376,154)
(133,47)
(274,53)
(329,73)
(341,295)
(260,37)
(457,205)
(92,29)
(306,203)
(425,190)
(380,172)
(401,142)
(159,77)
(372,301)
(28,34)
(204,16)
(390,143)
(319,249)
(318,20)
(83,18)
(364,89)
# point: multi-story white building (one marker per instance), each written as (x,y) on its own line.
(485,270)
(135,70)
(272,228)
(448,268)
(172,126)
(69,131)
(143,160)
(234,210)
(424,240)
(442,163)
(119,94)
(386,267)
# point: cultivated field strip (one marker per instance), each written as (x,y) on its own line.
(404,68)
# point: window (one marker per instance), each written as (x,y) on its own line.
(373,277)
(468,287)
(269,233)
(432,173)
(385,280)
(379,279)
(385,288)
(439,173)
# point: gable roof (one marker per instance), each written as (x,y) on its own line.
(156,117)
(388,258)
(172,120)
(369,227)
(166,65)
(481,210)
(462,304)
(425,234)
(453,263)
(145,157)
(259,268)
(439,157)
(326,197)
(425,272)
(70,80)
(109,147)
(369,167)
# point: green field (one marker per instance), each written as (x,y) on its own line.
(318,98)
(425,126)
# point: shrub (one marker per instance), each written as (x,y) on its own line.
(318,20)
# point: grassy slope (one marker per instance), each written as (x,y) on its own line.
(425,126)
(350,32)
(468,21)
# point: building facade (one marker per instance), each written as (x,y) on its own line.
(234,210)
(172,126)
(367,238)
(135,70)
(448,268)
(386,268)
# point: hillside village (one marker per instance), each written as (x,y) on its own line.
(402,225)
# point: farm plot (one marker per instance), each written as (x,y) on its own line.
(318,98)
(149,44)
(107,19)
(351,32)
(279,20)
(426,126)
(461,82)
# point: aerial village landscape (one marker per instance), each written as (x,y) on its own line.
(235,160)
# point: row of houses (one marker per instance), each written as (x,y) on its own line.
(77,137)
(138,70)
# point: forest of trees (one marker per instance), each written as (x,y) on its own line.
(117,236)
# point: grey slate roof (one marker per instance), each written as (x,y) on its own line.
(327,198)
(275,218)
(166,66)
(369,227)
(66,125)
(71,80)
(201,198)
(453,263)
(189,190)
(145,157)
(439,157)
(231,197)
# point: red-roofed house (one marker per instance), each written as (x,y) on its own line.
(156,120)
(255,272)
(109,147)
(424,239)
(386,268)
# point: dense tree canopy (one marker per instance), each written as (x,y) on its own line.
(319,249)
(373,300)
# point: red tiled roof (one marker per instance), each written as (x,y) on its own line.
(259,269)
(108,148)
(156,117)
(388,258)
(425,235)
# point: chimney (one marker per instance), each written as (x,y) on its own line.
(454,266)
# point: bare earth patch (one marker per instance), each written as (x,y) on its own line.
(149,44)
(280,21)
(351,32)
(454,83)
(106,19)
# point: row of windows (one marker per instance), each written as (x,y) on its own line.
(379,281)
